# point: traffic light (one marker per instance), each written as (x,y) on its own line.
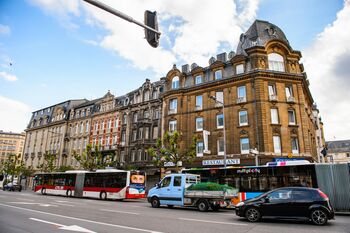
(151,21)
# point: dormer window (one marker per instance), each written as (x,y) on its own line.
(198,79)
(276,62)
(240,69)
(218,74)
(175,84)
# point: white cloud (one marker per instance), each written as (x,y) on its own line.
(328,68)
(14,115)
(4,30)
(7,76)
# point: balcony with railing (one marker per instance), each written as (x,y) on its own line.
(241,100)
(273,97)
(290,99)
(172,111)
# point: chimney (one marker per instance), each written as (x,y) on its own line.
(221,57)
(185,69)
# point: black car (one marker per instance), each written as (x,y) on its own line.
(12,187)
(288,203)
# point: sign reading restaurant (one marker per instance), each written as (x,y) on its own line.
(220,162)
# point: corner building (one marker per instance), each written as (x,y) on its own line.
(266,98)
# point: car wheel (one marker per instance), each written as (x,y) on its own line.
(69,193)
(43,191)
(155,202)
(319,217)
(203,205)
(103,195)
(252,214)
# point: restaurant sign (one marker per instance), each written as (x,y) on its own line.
(220,162)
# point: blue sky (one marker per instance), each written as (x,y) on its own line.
(62,49)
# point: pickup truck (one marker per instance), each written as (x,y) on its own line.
(172,190)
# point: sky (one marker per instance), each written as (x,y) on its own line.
(55,50)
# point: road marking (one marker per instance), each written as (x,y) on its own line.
(200,220)
(63,227)
(32,203)
(65,204)
(24,199)
(81,219)
(121,212)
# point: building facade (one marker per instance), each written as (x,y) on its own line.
(338,151)
(11,143)
(259,94)
(46,132)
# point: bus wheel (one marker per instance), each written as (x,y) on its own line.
(43,191)
(103,195)
(155,202)
(203,205)
(69,193)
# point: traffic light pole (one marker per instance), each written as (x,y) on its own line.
(120,14)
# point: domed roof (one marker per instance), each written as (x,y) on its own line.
(258,34)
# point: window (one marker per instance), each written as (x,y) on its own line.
(133,155)
(199,123)
(277,144)
(165,182)
(244,145)
(87,127)
(219,97)
(100,141)
(220,121)
(295,146)
(172,125)
(199,149)
(134,135)
(239,69)
(276,62)
(107,141)
(139,155)
(154,95)
(291,117)
(146,115)
(155,132)
(198,79)
(218,74)
(274,116)
(147,133)
(125,119)
(122,156)
(156,114)
(175,84)
(109,124)
(241,94)
(116,123)
(221,146)
(243,118)
(272,89)
(81,127)
(135,117)
(289,91)
(123,136)
(280,195)
(173,106)
(177,181)
(140,133)
(103,124)
(146,96)
(199,102)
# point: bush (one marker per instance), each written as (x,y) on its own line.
(209,186)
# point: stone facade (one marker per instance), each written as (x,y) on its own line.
(338,151)
(266,96)
(11,143)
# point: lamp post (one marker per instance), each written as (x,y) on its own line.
(224,127)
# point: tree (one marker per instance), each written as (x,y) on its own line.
(91,158)
(48,164)
(64,168)
(11,167)
(168,150)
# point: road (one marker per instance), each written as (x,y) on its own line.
(29,212)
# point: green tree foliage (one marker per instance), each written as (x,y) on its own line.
(12,166)
(92,158)
(48,164)
(168,150)
(64,168)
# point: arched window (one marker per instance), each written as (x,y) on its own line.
(175,84)
(276,62)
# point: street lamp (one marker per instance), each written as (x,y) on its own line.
(224,127)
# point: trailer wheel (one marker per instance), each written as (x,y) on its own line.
(155,202)
(203,205)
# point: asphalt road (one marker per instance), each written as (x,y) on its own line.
(28,212)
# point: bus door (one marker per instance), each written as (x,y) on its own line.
(79,185)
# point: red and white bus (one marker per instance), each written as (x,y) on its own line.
(103,184)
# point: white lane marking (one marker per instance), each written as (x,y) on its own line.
(64,201)
(81,219)
(121,212)
(65,204)
(32,203)
(200,220)
(24,199)
(63,227)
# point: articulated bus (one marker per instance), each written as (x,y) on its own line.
(103,184)
(252,181)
